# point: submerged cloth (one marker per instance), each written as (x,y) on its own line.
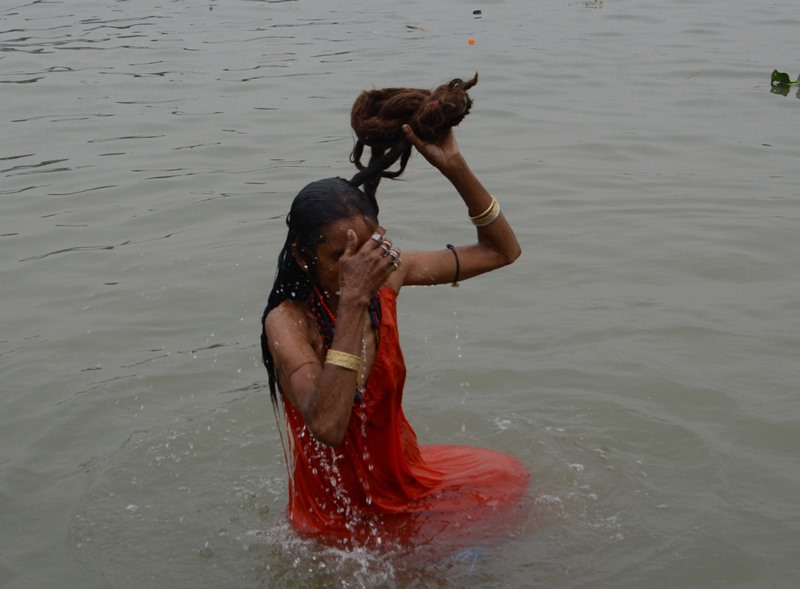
(380,484)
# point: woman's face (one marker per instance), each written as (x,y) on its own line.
(333,244)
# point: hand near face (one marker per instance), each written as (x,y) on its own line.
(355,259)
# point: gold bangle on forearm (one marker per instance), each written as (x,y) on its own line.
(343,360)
(486,212)
(488,216)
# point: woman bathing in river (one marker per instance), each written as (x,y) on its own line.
(330,345)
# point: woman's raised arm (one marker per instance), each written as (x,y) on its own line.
(496,245)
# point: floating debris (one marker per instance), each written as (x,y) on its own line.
(782,80)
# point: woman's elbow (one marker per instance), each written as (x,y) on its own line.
(328,434)
(333,440)
(509,255)
(502,252)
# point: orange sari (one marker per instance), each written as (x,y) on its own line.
(379,484)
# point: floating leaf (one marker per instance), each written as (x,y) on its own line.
(782,80)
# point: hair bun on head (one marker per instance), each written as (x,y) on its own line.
(378,117)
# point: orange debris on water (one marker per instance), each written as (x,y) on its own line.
(471,40)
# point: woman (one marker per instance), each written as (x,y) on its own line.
(330,345)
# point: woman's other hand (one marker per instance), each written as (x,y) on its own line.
(442,156)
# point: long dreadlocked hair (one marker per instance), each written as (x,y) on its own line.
(378,117)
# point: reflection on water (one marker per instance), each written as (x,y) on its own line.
(639,358)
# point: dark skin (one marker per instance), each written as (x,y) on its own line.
(350,266)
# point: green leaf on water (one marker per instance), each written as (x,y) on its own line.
(782,80)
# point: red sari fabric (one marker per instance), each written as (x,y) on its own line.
(379,484)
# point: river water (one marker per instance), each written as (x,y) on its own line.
(641,357)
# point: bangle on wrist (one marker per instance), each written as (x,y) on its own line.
(343,360)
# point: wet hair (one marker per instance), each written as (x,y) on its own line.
(378,117)
(315,207)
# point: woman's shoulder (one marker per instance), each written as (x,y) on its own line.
(292,321)
(288,315)
(288,307)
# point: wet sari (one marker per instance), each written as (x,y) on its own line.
(380,484)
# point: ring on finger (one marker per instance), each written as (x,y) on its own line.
(377,237)
(385,241)
(396,264)
(395,257)
(386,249)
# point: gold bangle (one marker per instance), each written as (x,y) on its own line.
(486,212)
(489,216)
(343,360)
